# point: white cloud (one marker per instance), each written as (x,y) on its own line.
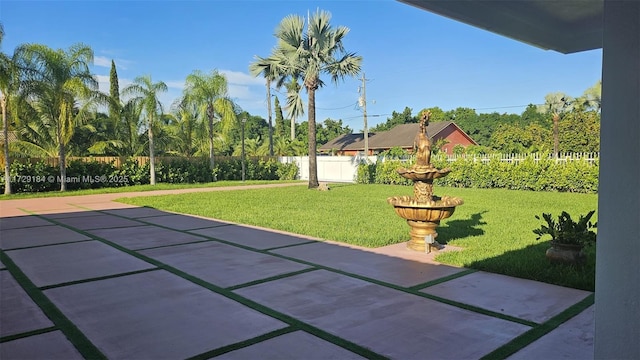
(240,78)
(179,84)
(102,61)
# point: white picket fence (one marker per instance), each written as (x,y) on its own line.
(345,168)
(562,157)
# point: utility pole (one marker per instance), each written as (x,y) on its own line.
(363,103)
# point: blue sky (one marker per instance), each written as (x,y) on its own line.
(412,57)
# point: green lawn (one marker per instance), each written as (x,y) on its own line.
(493,226)
(135,188)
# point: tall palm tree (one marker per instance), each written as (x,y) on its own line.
(146,93)
(209,93)
(308,54)
(592,97)
(58,80)
(294,106)
(262,67)
(556,104)
(9,84)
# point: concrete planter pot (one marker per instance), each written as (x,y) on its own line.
(568,254)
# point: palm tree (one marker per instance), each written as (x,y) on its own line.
(264,68)
(556,104)
(9,84)
(57,79)
(209,93)
(592,97)
(294,106)
(146,96)
(307,55)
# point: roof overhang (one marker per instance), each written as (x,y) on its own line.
(566,26)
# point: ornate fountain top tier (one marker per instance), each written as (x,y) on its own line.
(423,173)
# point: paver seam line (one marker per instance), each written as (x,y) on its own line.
(61,322)
(98,278)
(27,334)
(22,227)
(210,227)
(45,245)
(537,332)
(353,347)
(242,344)
(173,245)
(291,245)
(442,279)
(364,278)
(272,278)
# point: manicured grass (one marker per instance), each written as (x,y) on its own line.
(135,188)
(494,226)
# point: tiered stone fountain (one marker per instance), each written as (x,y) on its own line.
(424,210)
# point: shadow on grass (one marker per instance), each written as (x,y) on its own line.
(460,229)
(531,263)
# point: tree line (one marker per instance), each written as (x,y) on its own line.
(561,124)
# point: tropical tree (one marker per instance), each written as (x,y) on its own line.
(294,106)
(306,55)
(209,93)
(262,67)
(591,99)
(9,84)
(556,104)
(62,91)
(145,93)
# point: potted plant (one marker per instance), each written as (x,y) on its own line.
(568,237)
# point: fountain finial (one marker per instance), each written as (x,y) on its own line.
(422,143)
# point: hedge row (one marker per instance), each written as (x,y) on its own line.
(40,177)
(539,175)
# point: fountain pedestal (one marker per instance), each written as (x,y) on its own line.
(423,211)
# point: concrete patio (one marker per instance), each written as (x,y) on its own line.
(87,277)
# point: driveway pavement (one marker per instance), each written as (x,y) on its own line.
(87,277)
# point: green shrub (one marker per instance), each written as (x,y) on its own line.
(527,174)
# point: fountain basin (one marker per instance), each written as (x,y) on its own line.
(423,173)
(424,218)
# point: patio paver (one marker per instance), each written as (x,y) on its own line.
(293,346)
(145,236)
(51,345)
(182,222)
(101,221)
(376,266)
(571,340)
(252,237)
(137,212)
(16,222)
(18,313)
(41,235)
(390,322)
(525,299)
(221,264)
(56,264)
(156,315)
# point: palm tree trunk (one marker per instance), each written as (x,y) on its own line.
(211,158)
(269,110)
(152,158)
(63,162)
(293,128)
(7,159)
(556,141)
(313,166)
